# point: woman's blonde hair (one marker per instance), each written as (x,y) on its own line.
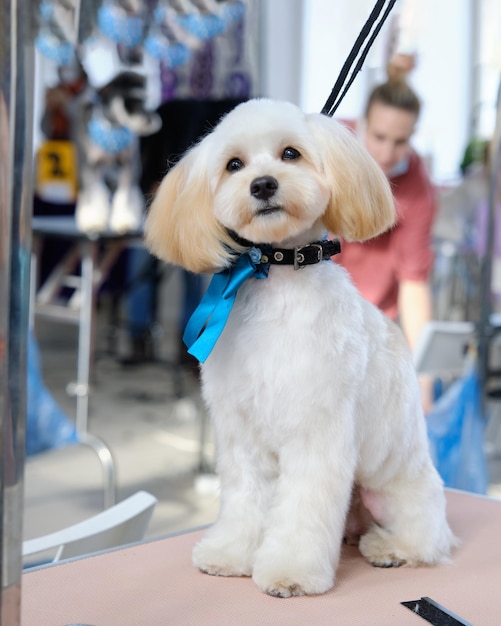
(395,92)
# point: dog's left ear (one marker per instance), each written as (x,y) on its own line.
(361,204)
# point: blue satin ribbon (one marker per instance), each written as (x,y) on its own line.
(209,318)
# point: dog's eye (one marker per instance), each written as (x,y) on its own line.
(234,165)
(290,154)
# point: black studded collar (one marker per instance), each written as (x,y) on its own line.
(298,256)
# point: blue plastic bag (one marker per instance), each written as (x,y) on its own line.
(456,431)
(46,425)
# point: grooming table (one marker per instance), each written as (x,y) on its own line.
(95,255)
(154,584)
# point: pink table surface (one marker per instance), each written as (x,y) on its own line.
(154,583)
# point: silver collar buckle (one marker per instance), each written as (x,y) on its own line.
(299,256)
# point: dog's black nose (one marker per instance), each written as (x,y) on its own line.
(263,187)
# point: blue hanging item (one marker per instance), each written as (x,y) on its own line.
(233,12)
(160,45)
(172,54)
(47,427)
(204,26)
(49,42)
(456,429)
(53,48)
(117,25)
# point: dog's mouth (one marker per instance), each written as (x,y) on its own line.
(269,210)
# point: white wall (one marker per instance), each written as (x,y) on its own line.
(303,67)
(282,49)
(329,32)
(444,80)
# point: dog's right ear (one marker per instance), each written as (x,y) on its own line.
(181,227)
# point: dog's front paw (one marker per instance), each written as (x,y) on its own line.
(220,559)
(284,588)
(381,549)
(287,581)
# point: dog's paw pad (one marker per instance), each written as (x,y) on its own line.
(285,590)
(389,562)
(285,585)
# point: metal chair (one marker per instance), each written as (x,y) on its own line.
(121,524)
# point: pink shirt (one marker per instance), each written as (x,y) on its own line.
(402,253)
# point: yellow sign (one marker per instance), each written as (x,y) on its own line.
(57,173)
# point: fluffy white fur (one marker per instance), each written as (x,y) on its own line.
(310,388)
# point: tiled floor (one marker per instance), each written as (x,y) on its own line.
(154,437)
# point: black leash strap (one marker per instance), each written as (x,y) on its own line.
(336,96)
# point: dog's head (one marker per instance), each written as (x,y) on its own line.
(269,173)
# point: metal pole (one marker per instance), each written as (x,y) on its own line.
(487,331)
(16,105)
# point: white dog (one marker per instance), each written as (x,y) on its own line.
(310,388)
